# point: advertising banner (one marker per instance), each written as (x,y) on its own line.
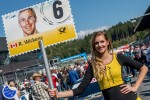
(50,21)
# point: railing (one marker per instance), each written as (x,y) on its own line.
(7,61)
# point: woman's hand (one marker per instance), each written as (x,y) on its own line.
(127,88)
(53,92)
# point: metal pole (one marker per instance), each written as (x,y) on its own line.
(16,77)
(47,65)
(4,80)
(25,74)
(140,16)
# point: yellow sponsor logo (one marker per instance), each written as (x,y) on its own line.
(54,36)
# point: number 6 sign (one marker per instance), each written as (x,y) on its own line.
(59,12)
(50,21)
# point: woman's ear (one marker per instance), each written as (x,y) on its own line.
(108,42)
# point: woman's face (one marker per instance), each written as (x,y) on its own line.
(101,44)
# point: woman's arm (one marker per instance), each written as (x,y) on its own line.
(85,82)
(143,72)
(55,93)
(65,94)
(137,84)
(127,61)
(80,89)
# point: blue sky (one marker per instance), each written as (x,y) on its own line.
(88,14)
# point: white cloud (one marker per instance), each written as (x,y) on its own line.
(84,33)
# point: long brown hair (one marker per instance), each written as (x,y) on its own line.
(98,70)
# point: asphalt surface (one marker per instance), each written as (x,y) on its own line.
(144,90)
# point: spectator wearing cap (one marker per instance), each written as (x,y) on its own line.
(39,89)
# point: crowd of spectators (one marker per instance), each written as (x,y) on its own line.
(140,53)
(64,78)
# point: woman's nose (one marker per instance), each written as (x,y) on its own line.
(99,44)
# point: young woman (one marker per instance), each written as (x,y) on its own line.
(106,67)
